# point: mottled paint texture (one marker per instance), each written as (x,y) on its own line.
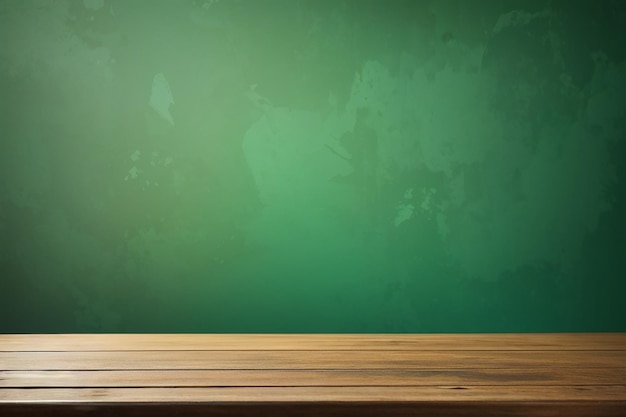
(312,166)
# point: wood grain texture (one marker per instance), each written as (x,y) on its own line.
(417,359)
(312,375)
(322,378)
(461,342)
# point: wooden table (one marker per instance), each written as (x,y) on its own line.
(313,375)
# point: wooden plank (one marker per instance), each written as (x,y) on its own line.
(207,360)
(351,342)
(491,393)
(577,408)
(272,378)
(310,375)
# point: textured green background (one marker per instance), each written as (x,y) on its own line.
(332,166)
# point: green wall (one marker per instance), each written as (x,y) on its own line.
(312,166)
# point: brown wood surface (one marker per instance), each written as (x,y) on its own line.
(256,342)
(311,375)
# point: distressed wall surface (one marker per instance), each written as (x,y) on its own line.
(312,166)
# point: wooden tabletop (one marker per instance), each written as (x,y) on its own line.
(569,374)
